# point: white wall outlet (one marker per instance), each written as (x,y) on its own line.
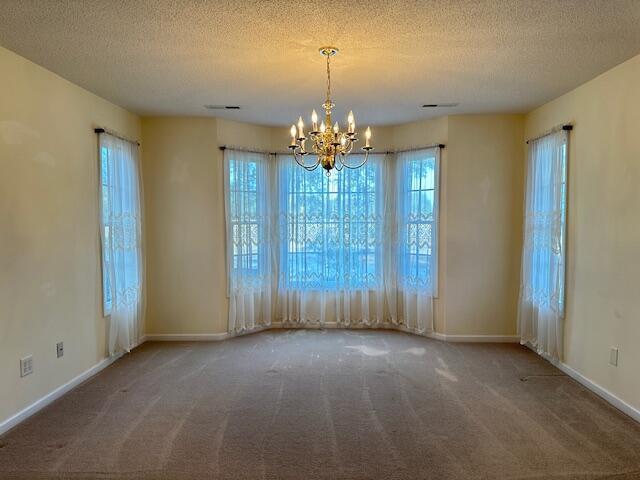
(613,357)
(26,366)
(59,349)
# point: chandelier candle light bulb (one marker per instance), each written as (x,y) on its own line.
(330,147)
(352,123)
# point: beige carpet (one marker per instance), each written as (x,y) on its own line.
(326,405)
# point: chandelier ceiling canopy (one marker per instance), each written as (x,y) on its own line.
(330,145)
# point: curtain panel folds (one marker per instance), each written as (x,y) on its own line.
(356,248)
(122,241)
(248,211)
(542,284)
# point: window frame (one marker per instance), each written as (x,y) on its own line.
(107,300)
(563,182)
(239,224)
(260,193)
(285,247)
(434,223)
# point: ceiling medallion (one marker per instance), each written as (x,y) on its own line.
(330,145)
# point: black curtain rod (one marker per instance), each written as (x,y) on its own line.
(567,126)
(100,130)
(240,149)
(425,147)
(436,145)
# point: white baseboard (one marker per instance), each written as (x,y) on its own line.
(477,338)
(208,337)
(390,326)
(39,404)
(186,337)
(200,337)
(598,390)
(602,392)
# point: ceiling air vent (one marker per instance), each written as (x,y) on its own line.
(222,107)
(436,105)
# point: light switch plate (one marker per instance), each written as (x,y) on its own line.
(613,357)
(59,349)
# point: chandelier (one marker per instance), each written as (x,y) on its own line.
(330,145)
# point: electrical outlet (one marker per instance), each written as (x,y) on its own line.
(26,366)
(59,349)
(613,356)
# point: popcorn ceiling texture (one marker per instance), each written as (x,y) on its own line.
(161,57)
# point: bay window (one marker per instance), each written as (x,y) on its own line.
(356,247)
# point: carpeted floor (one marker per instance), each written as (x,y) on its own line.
(338,404)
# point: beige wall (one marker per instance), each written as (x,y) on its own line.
(481,169)
(185,226)
(603,234)
(50,286)
(484,191)
(184,210)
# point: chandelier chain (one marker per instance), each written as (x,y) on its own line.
(328,81)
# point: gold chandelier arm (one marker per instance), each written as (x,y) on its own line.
(353,167)
(348,147)
(298,158)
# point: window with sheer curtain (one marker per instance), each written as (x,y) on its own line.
(245,227)
(247,209)
(105,229)
(417,218)
(542,284)
(121,237)
(356,247)
(331,226)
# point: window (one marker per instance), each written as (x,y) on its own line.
(356,246)
(417,218)
(331,226)
(244,221)
(542,286)
(246,209)
(105,212)
(121,235)
(563,222)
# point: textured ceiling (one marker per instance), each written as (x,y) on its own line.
(172,57)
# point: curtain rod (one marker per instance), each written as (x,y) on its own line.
(563,126)
(413,149)
(100,130)
(242,149)
(251,150)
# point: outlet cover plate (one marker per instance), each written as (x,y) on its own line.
(26,366)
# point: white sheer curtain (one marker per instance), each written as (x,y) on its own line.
(249,216)
(356,248)
(331,236)
(359,248)
(121,235)
(541,303)
(416,177)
